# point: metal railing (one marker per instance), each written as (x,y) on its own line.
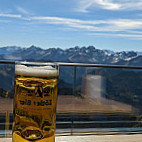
(84,65)
(71,121)
(99,65)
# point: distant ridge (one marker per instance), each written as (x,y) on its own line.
(76,54)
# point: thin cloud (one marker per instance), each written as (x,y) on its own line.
(124,24)
(111,27)
(22,10)
(132,36)
(60,20)
(73,23)
(10,15)
(108,4)
(94,25)
(85,5)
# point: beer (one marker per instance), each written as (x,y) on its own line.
(35,104)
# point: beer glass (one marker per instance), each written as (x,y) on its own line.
(35,102)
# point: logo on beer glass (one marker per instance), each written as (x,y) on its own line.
(39,91)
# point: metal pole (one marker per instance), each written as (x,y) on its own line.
(7,123)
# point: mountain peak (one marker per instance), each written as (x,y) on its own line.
(34,47)
(91,47)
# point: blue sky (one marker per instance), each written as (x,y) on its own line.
(106,24)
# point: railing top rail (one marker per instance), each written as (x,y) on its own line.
(6,62)
(84,65)
(99,65)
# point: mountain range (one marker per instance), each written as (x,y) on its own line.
(76,54)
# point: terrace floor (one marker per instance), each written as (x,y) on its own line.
(91,138)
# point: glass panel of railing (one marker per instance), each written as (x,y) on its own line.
(6,98)
(107,101)
(64,104)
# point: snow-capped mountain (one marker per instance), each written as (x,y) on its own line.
(8,49)
(77,54)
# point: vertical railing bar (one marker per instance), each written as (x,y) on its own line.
(7,124)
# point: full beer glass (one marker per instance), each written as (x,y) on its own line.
(35,102)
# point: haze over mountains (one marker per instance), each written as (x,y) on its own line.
(77,54)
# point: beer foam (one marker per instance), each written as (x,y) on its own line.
(42,71)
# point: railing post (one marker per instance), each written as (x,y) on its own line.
(7,123)
(74,92)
